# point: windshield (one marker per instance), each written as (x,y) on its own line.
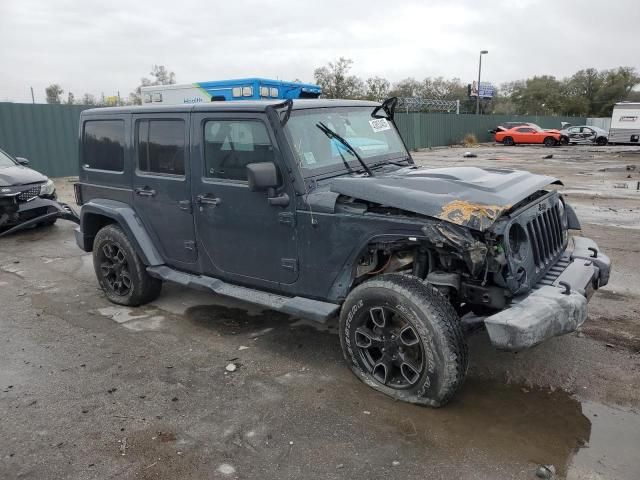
(375,139)
(6,160)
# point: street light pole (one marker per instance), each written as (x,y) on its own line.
(482,52)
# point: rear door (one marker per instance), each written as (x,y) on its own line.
(162,185)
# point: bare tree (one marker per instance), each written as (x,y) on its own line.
(160,76)
(377,88)
(409,87)
(53,93)
(335,81)
(88,99)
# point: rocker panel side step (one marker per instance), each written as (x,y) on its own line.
(296,306)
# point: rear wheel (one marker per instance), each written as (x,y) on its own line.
(120,272)
(550,142)
(564,140)
(401,337)
(508,141)
(601,141)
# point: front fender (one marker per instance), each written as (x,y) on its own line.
(342,283)
(573,223)
(99,212)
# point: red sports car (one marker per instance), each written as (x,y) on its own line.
(528,134)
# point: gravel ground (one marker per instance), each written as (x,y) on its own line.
(92,390)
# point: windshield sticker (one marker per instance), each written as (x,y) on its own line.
(379,125)
(309,158)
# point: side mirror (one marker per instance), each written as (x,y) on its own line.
(262,176)
(22,161)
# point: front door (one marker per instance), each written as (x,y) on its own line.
(241,236)
(162,186)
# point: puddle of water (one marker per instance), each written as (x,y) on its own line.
(613,450)
(488,424)
(511,425)
(236,321)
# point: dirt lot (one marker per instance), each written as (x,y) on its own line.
(91,390)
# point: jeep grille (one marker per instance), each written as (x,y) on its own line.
(546,236)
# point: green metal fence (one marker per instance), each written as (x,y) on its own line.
(48,134)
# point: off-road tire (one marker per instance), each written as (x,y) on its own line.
(550,142)
(438,328)
(143,288)
(508,141)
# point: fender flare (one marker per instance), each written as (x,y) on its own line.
(122,214)
(342,283)
(573,223)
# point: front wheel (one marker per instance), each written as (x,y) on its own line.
(601,141)
(403,338)
(508,141)
(550,142)
(121,273)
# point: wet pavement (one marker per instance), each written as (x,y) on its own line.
(93,390)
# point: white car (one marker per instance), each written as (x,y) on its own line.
(584,134)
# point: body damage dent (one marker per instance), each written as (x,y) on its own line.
(468,196)
(472,251)
(472,215)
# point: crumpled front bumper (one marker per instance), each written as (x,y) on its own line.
(554,309)
(51,208)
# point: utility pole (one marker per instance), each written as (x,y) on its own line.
(482,52)
(33,98)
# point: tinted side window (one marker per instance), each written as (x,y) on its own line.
(103,145)
(161,146)
(230,145)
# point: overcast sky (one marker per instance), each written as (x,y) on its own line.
(105,46)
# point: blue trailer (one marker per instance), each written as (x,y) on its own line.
(228,90)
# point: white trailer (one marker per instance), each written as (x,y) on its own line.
(625,123)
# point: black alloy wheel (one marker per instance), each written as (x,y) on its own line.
(114,268)
(401,337)
(390,347)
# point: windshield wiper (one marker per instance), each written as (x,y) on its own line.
(331,134)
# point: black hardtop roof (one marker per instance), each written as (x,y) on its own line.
(233,106)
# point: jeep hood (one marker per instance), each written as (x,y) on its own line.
(19,175)
(468,196)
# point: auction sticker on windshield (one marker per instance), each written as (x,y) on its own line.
(379,124)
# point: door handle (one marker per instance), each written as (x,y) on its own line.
(145,192)
(208,200)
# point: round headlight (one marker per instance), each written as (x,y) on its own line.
(562,211)
(517,242)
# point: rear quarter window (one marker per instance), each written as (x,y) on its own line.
(103,145)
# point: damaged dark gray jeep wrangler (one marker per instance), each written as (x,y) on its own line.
(316,209)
